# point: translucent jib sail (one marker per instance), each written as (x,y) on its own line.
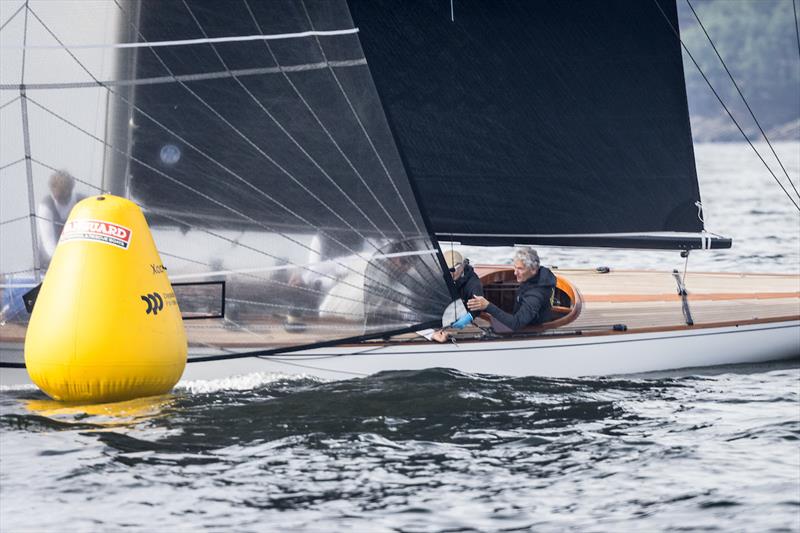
(251,135)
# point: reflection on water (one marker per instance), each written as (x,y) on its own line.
(118,413)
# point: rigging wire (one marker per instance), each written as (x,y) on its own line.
(7,165)
(369,139)
(738,90)
(431,271)
(326,64)
(796,26)
(54,169)
(291,138)
(710,86)
(14,14)
(224,206)
(12,100)
(26,141)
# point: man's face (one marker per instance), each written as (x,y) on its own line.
(62,193)
(523,273)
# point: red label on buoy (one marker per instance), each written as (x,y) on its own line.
(96,230)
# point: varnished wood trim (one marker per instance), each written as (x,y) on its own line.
(692,297)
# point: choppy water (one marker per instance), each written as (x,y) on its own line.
(435,450)
(430,450)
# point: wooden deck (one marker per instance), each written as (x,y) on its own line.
(640,300)
(645,300)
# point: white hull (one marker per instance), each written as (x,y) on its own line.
(561,356)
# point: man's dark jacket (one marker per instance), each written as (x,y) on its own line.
(469,285)
(532,303)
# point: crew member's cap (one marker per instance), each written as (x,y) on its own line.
(453,258)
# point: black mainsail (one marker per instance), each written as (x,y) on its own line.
(548,122)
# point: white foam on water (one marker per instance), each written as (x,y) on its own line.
(18,387)
(241,383)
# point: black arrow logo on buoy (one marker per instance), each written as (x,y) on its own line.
(154,303)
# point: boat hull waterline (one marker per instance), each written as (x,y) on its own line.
(561,356)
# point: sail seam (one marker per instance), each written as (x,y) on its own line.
(188,42)
(189,77)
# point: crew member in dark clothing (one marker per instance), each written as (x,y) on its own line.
(468,285)
(534,294)
(467,282)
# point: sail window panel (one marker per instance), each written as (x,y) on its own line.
(16,251)
(201,300)
(535,117)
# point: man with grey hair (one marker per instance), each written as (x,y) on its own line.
(53,211)
(534,294)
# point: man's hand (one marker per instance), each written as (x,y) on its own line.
(441,336)
(477,303)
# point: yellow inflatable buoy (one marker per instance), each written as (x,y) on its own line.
(106,324)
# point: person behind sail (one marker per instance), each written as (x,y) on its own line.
(466,280)
(468,286)
(534,294)
(53,211)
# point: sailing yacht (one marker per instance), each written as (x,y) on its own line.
(299,163)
